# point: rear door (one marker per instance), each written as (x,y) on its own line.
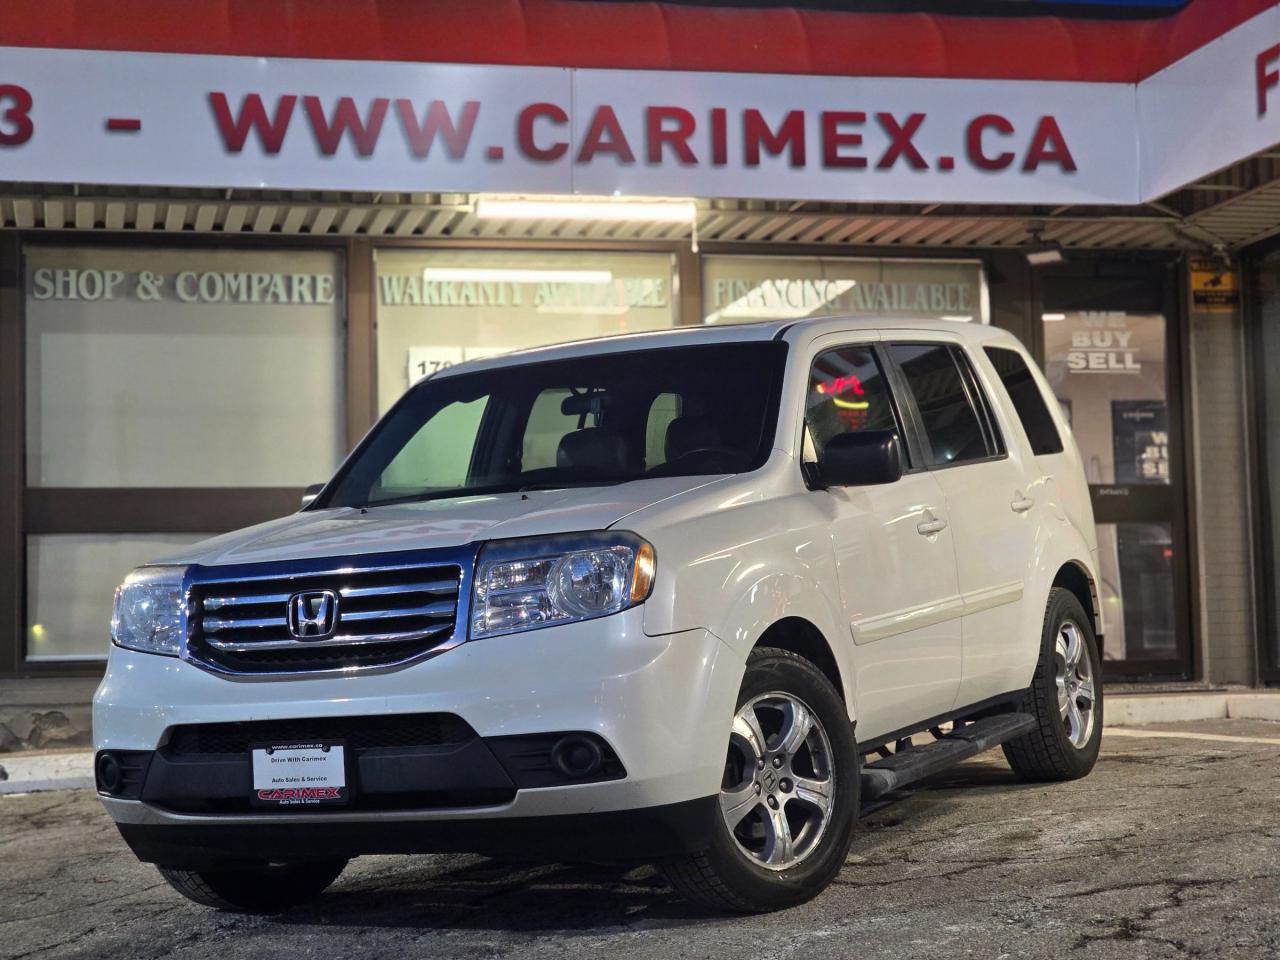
(894,556)
(991,507)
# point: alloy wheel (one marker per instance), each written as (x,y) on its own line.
(779,782)
(1075,684)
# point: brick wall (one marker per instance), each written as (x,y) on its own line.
(1219,461)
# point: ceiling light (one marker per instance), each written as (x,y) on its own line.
(574,208)
(1053,317)
(1041,252)
(504,275)
(1044,258)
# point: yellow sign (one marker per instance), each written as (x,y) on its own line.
(1214,288)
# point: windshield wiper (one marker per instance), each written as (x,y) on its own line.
(437,495)
(567,484)
(484,491)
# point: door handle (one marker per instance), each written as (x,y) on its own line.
(927,528)
(1021,504)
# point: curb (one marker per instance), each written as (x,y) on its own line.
(1129,710)
(34,773)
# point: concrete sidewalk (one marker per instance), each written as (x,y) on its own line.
(32,772)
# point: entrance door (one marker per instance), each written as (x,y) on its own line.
(1112,370)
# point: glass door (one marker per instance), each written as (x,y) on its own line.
(1114,372)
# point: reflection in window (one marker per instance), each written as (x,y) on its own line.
(847,394)
(953,430)
(438,308)
(1136,566)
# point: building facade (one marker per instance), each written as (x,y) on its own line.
(196,326)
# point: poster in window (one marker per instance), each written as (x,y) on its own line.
(1140,432)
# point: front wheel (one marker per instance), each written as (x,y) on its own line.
(265,889)
(789,796)
(1065,697)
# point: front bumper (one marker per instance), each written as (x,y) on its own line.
(663,704)
(194,843)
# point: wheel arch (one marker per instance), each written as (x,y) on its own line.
(803,638)
(1074,577)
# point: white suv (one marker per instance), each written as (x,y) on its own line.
(680,597)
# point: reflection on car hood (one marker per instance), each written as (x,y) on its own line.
(435,523)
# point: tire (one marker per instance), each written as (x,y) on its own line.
(1064,745)
(748,868)
(266,889)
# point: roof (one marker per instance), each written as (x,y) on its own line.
(635,35)
(792,330)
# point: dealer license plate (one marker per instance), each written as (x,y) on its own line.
(299,774)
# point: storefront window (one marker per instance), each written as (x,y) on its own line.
(71,579)
(1109,372)
(747,289)
(441,307)
(165,367)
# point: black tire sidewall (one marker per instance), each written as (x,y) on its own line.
(267,889)
(770,671)
(1063,605)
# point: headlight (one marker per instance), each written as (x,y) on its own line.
(148,610)
(524,584)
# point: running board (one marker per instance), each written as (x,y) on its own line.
(911,764)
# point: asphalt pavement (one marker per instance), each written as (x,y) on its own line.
(1170,848)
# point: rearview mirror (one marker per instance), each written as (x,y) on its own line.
(861,459)
(311,493)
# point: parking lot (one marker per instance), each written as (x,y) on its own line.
(1170,848)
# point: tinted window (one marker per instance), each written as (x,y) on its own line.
(590,420)
(1027,400)
(847,393)
(954,430)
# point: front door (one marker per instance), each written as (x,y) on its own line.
(894,556)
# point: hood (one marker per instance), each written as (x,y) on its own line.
(345,531)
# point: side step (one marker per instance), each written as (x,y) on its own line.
(916,763)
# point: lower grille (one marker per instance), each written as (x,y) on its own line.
(313,619)
(360,733)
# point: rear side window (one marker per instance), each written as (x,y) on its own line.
(1027,399)
(954,414)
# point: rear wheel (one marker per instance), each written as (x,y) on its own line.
(265,889)
(1065,697)
(789,796)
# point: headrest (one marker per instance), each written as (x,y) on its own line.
(686,434)
(594,451)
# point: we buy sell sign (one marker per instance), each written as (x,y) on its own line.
(182,120)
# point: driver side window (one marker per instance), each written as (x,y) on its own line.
(848,393)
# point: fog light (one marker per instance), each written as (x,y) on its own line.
(577,757)
(110,774)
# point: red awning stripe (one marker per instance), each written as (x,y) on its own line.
(573,33)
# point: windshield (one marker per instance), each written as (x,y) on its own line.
(602,419)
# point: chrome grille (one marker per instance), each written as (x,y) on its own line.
(384,614)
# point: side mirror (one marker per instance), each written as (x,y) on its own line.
(861,459)
(311,493)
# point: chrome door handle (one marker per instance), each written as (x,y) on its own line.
(927,528)
(1022,504)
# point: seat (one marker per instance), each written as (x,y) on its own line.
(593,451)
